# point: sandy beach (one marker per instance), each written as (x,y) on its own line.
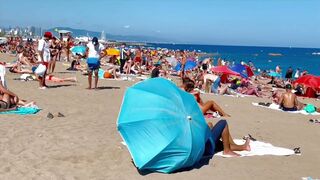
(85,144)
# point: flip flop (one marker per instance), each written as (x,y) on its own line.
(60,114)
(249,137)
(297,150)
(50,115)
(314,121)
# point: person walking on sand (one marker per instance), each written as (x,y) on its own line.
(94,54)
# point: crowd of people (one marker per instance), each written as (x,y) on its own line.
(38,59)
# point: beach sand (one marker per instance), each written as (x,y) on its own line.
(86,145)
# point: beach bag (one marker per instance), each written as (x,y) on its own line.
(310,108)
(107,75)
(93,62)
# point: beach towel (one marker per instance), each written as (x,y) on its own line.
(277,107)
(23,111)
(259,148)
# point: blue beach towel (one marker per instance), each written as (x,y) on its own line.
(22,111)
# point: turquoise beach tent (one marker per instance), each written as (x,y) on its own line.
(274,74)
(162,125)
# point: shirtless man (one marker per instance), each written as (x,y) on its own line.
(288,100)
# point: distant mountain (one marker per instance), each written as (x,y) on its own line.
(83,32)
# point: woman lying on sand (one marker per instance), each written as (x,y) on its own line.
(16,68)
(188,85)
(56,79)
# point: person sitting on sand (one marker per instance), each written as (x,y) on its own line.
(10,101)
(22,58)
(221,131)
(188,85)
(156,71)
(288,100)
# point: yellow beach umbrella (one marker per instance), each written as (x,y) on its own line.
(113,52)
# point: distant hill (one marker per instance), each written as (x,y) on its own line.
(83,32)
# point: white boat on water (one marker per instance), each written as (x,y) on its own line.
(316,53)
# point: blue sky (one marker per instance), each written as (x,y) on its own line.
(223,22)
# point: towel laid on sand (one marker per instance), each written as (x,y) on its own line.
(259,148)
(276,107)
(23,111)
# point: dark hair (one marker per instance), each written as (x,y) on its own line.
(188,84)
(288,86)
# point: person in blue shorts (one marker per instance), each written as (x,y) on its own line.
(94,54)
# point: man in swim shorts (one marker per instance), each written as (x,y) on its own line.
(288,100)
(94,54)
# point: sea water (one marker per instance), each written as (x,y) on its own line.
(265,58)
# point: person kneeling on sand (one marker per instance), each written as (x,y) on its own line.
(188,85)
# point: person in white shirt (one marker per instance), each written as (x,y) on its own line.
(44,56)
(94,54)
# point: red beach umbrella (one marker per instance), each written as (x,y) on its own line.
(224,70)
(309,81)
(249,71)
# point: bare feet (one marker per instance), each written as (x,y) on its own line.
(247,145)
(231,153)
(89,88)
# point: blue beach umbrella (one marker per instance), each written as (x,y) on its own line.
(79,50)
(162,125)
(188,66)
(241,69)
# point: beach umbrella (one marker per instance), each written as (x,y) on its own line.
(188,66)
(243,70)
(79,50)
(113,52)
(274,74)
(162,126)
(224,70)
(309,81)
(172,60)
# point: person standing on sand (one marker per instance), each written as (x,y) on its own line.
(289,74)
(123,53)
(44,56)
(94,54)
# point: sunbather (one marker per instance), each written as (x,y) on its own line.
(56,79)
(221,131)
(19,70)
(188,85)
(288,100)
(10,101)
